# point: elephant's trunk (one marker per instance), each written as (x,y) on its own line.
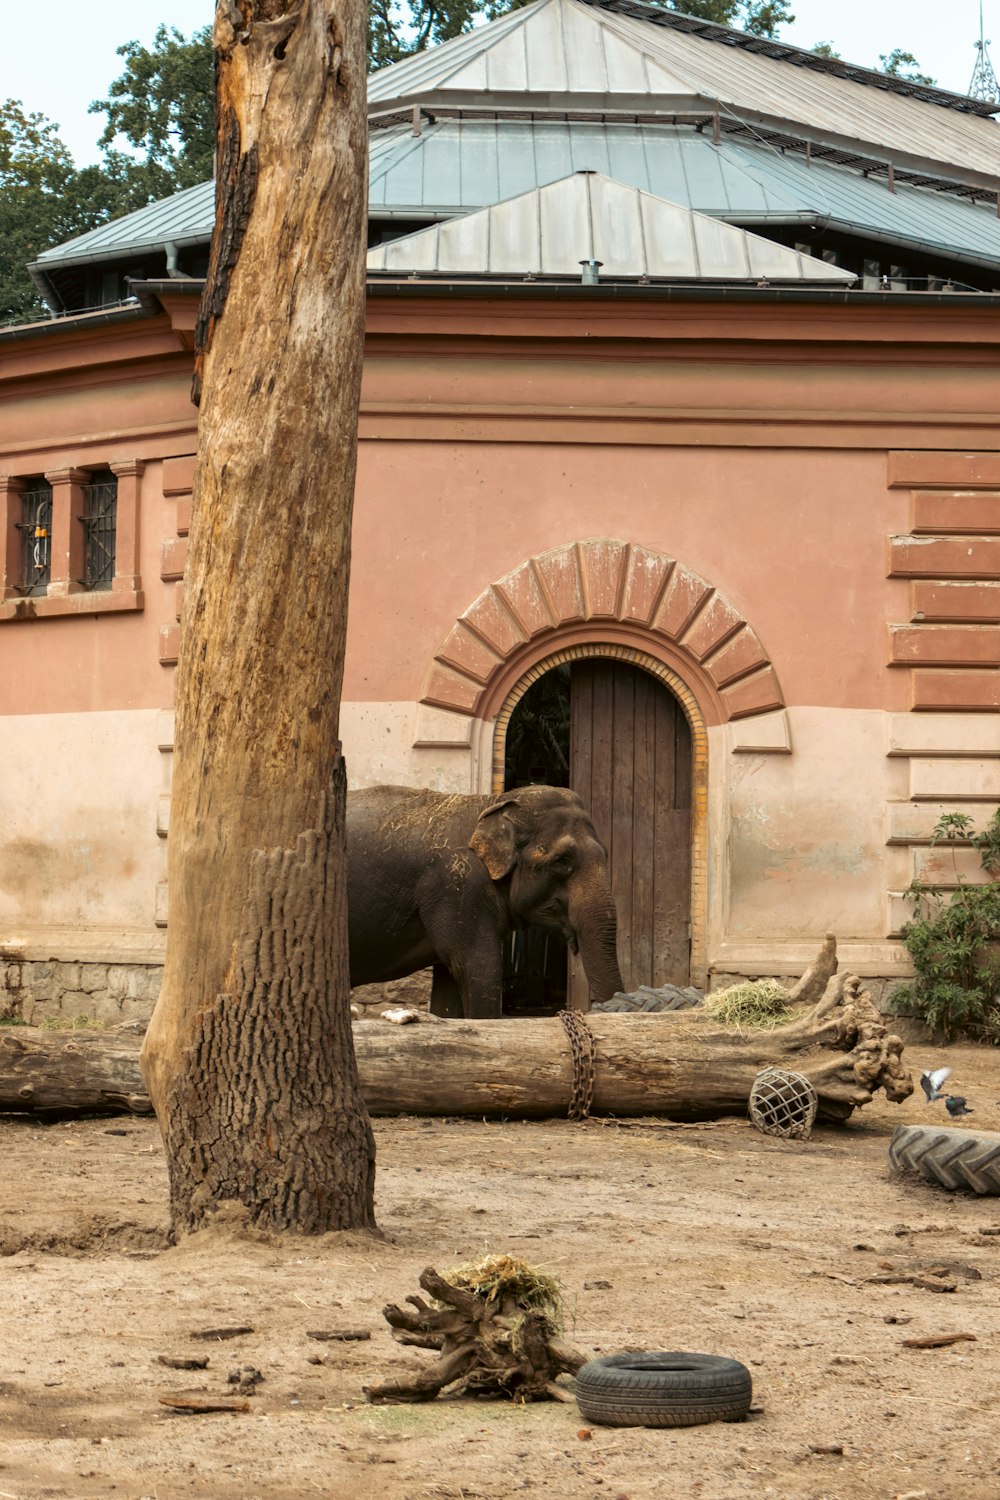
(595,926)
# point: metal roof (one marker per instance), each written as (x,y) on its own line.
(658,14)
(185,218)
(457,165)
(571,48)
(550,231)
(835,197)
(569,85)
(553,46)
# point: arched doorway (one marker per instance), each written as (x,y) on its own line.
(618,736)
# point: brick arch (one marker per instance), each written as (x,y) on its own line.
(615,591)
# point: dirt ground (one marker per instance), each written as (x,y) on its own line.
(709,1238)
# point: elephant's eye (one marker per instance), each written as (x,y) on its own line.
(541,849)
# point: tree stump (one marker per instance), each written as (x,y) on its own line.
(501,1344)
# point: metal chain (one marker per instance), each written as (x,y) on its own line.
(584,1053)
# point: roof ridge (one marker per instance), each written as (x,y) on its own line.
(479,39)
(836,67)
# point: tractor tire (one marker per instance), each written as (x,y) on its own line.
(951,1158)
(663,1390)
(648,1000)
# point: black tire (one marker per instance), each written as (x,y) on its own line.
(668,997)
(663,1390)
(951,1158)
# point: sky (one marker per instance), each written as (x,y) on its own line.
(58,64)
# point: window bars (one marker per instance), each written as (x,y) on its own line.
(100,505)
(35,527)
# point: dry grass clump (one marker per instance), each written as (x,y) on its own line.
(505,1282)
(754,1005)
(71,1023)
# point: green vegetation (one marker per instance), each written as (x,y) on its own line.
(901,64)
(162,106)
(953,939)
(43,201)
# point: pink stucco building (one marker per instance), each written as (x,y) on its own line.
(737,486)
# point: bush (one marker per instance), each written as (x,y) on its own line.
(954,941)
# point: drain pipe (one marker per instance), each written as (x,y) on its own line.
(589,275)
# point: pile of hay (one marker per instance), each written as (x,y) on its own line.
(504,1283)
(755,1005)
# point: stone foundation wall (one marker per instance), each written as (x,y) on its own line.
(47,993)
(414,990)
(112,994)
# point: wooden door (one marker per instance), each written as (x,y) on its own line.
(630,761)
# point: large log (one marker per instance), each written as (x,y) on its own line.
(683,1064)
(71,1072)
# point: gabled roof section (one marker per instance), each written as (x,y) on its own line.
(185,218)
(625,55)
(548,233)
(551,47)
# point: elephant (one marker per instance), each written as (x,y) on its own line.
(442,880)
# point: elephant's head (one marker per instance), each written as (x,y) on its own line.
(540,840)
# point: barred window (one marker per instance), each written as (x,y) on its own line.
(35,527)
(100,506)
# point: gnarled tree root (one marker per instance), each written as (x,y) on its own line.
(485,1348)
(844,1048)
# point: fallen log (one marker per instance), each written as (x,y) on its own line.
(71,1072)
(683,1064)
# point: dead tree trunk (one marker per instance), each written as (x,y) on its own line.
(487,1346)
(684,1065)
(248,1058)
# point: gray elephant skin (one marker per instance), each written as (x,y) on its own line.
(442,880)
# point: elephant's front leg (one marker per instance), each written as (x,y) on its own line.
(464,924)
(469,988)
(446,997)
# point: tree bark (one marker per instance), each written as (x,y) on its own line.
(249,1059)
(683,1064)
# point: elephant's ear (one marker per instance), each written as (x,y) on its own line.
(494,839)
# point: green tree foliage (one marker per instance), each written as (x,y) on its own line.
(162,106)
(900,64)
(43,201)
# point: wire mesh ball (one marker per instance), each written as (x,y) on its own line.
(783,1103)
